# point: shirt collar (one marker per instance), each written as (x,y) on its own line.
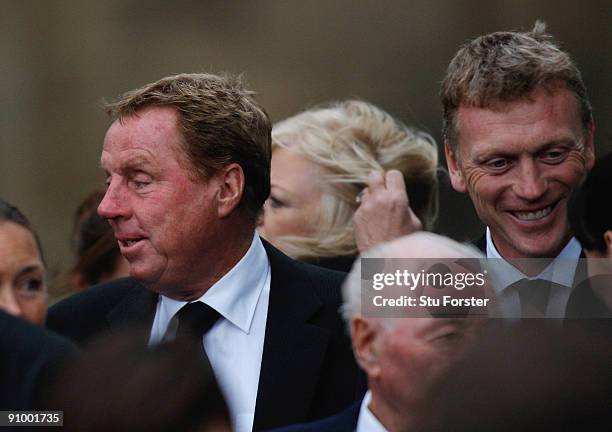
(236,294)
(367,422)
(558,271)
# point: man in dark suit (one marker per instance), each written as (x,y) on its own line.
(187,160)
(405,358)
(518,134)
(29,359)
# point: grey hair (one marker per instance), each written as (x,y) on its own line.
(403,247)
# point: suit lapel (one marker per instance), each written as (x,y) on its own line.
(293,349)
(136,310)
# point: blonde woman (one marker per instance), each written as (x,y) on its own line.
(328,161)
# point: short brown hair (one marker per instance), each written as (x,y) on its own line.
(507,66)
(221,123)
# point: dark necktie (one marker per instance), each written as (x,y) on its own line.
(194,320)
(534,297)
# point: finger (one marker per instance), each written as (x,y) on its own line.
(376,180)
(395,181)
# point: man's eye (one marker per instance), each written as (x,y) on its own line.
(140,182)
(554,156)
(449,338)
(497,164)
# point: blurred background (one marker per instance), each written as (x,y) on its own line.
(60,59)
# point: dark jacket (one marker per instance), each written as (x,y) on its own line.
(345,421)
(29,359)
(307,371)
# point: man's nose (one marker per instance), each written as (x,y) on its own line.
(113,204)
(8,301)
(530,183)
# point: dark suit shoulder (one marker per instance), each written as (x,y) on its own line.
(30,339)
(345,421)
(325,283)
(585,303)
(31,357)
(82,315)
(308,369)
(312,288)
(342,263)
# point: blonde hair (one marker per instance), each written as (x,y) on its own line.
(348,140)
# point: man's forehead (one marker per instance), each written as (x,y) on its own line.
(481,132)
(148,121)
(143,137)
(559,101)
(134,159)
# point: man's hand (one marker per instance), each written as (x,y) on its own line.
(384,212)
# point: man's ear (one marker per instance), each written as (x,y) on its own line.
(365,335)
(231,189)
(454,171)
(608,240)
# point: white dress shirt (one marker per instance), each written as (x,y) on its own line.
(367,422)
(561,271)
(234,344)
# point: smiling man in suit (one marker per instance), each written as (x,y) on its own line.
(187,160)
(518,135)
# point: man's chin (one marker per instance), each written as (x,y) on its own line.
(144,275)
(154,281)
(522,245)
(541,249)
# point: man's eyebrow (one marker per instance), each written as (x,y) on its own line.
(565,141)
(136,162)
(132,163)
(490,154)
